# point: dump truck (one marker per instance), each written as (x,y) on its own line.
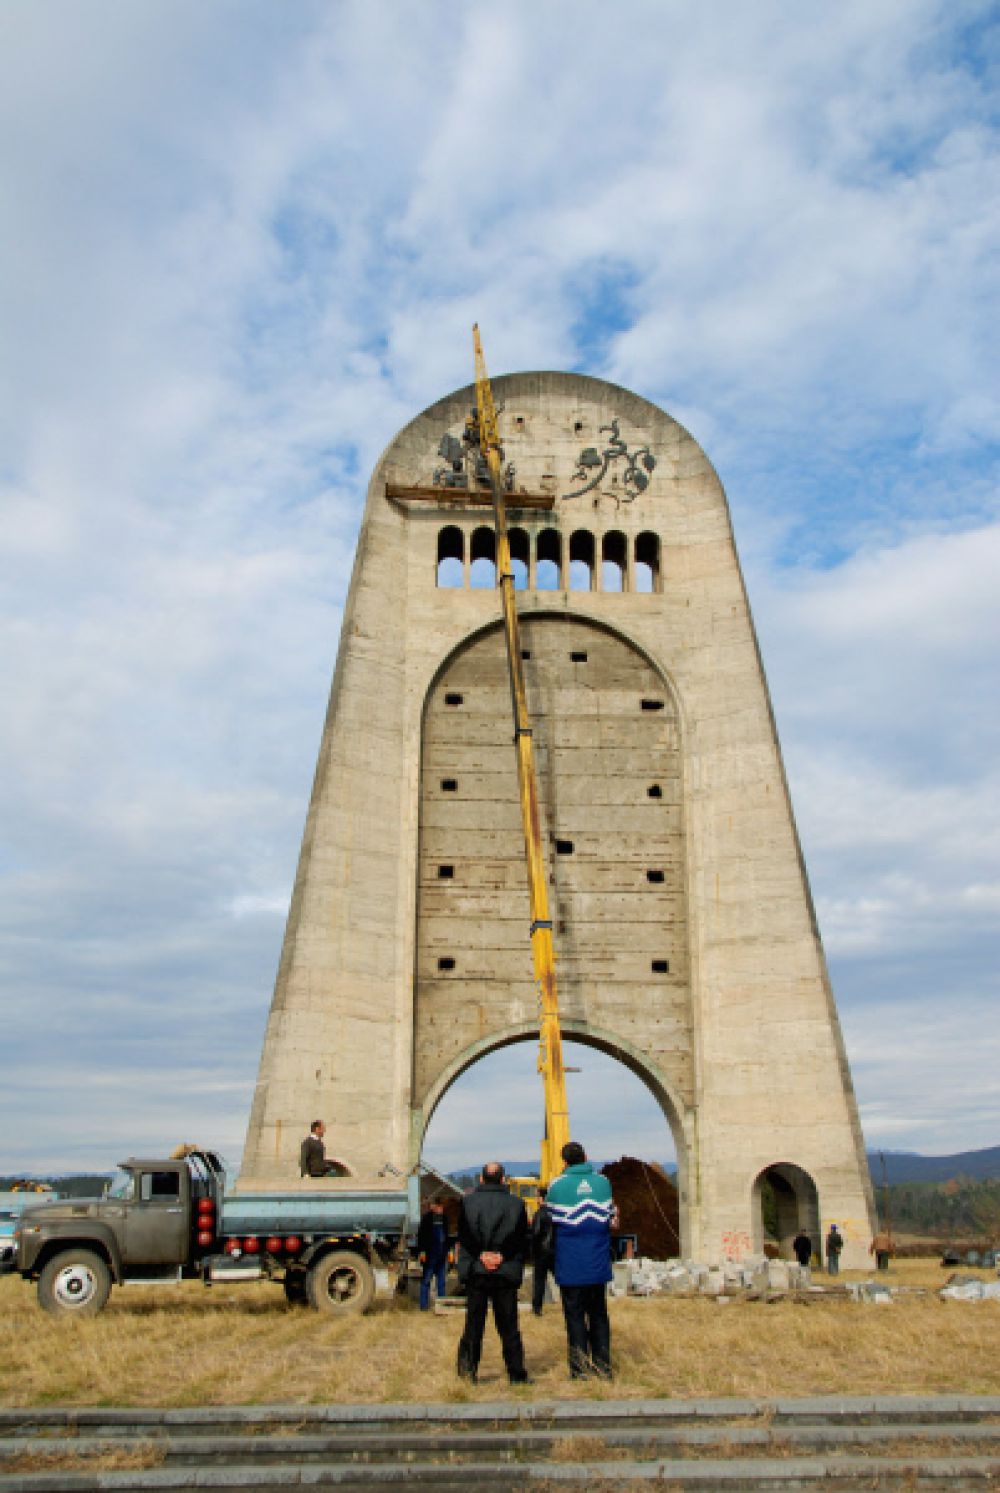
(162,1222)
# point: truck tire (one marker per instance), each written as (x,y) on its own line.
(341,1283)
(296,1293)
(74,1283)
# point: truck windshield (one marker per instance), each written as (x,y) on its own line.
(122,1185)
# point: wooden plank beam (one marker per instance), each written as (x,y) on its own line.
(460,497)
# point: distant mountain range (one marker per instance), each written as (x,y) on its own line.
(907,1166)
(900,1166)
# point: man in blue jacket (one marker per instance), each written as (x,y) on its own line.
(582,1210)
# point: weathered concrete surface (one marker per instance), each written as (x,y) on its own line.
(734,1026)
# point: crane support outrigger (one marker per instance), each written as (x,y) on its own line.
(550,1057)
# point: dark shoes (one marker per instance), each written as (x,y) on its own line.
(521,1379)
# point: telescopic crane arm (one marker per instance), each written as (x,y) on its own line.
(550,1058)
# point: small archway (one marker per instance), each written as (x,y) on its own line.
(647,563)
(784,1200)
(451,557)
(548,564)
(614,561)
(520,557)
(483,553)
(581,560)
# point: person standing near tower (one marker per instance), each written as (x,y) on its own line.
(834,1244)
(582,1210)
(432,1247)
(542,1238)
(493,1241)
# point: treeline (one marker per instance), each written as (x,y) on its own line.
(68,1187)
(965,1207)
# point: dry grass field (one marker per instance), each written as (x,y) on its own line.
(243,1345)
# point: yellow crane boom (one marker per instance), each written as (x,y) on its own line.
(550,1058)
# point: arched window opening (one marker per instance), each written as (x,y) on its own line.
(520,554)
(784,1200)
(451,557)
(647,562)
(483,570)
(581,561)
(471,1124)
(548,561)
(614,561)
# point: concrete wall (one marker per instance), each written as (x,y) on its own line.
(738,1037)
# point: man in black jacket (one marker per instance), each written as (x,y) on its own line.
(432,1247)
(542,1251)
(493,1240)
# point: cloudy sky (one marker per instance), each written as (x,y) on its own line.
(243,242)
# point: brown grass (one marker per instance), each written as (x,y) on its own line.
(242,1345)
(137,1456)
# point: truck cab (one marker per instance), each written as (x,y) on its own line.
(146,1228)
(149,1206)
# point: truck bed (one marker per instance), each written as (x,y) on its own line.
(361,1211)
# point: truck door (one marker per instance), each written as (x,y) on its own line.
(156,1220)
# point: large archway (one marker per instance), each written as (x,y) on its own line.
(618,1106)
(607,739)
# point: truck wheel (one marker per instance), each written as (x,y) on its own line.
(75,1283)
(341,1282)
(295,1287)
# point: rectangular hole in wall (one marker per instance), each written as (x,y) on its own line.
(654,876)
(578,658)
(445,873)
(654,791)
(449,785)
(525,652)
(661,966)
(446,962)
(564,847)
(653,704)
(561,928)
(457,699)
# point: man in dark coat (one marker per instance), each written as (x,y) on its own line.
(803,1246)
(542,1251)
(493,1241)
(834,1244)
(432,1247)
(312,1154)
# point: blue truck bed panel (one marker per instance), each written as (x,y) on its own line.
(316,1213)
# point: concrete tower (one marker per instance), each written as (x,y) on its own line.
(685,931)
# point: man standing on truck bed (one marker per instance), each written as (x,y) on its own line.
(493,1240)
(582,1211)
(312,1154)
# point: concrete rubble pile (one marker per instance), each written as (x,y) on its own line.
(970,1288)
(755,1274)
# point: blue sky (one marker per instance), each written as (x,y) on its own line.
(244,243)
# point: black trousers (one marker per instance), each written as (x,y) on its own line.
(588,1331)
(482,1290)
(541,1275)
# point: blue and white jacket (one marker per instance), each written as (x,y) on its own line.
(581,1206)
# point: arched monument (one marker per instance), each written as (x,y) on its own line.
(685,932)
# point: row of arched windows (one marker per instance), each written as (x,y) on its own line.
(579,565)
